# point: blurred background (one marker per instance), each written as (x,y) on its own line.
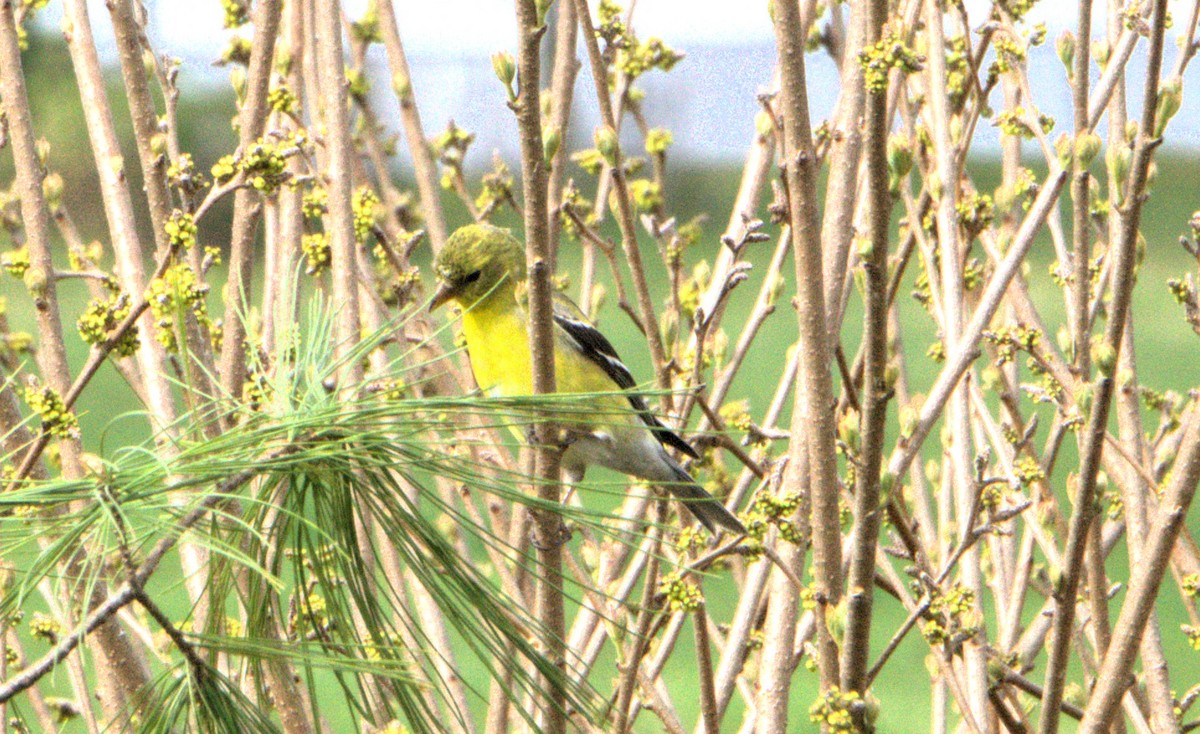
(709,102)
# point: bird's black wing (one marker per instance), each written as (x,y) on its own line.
(598,349)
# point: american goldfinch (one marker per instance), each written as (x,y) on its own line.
(482,269)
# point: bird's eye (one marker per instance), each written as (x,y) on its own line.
(472,277)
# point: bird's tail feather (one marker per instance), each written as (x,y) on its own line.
(707,509)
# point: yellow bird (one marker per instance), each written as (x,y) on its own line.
(482,268)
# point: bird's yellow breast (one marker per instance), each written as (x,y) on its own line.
(498,343)
(497,338)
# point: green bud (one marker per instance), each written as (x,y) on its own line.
(505,67)
(42,150)
(764,125)
(933,471)
(1054,572)
(1125,379)
(865,249)
(847,428)
(1087,146)
(1100,52)
(606,142)
(52,189)
(891,373)
(1062,146)
(900,156)
(1065,341)
(1118,160)
(1085,395)
(1065,46)
(835,620)
(35,280)
(158,144)
(1170,97)
(658,140)
(870,710)
(1131,131)
(551,141)
(773,288)
(887,483)
(934,184)
(956,129)
(908,421)
(1104,356)
(1074,694)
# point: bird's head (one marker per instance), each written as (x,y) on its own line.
(475,263)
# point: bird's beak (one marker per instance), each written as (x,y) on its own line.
(444,293)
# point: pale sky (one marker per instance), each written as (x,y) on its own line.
(708,101)
(484,26)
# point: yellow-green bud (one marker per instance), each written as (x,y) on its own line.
(1074,694)
(1100,52)
(835,621)
(35,280)
(1126,379)
(1170,97)
(865,247)
(1062,146)
(933,471)
(42,150)
(658,140)
(764,125)
(52,189)
(1065,46)
(887,482)
(551,141)
(956,129)
(870,710)
(505,67)
(1085,395)
(934,183)
(908,421)
(1118,160)
(1087,146)
(606,143)
(542,7)
(158,144)
(900,157)
(847,428)
(1104,356)
(1065,341)
(773,288)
